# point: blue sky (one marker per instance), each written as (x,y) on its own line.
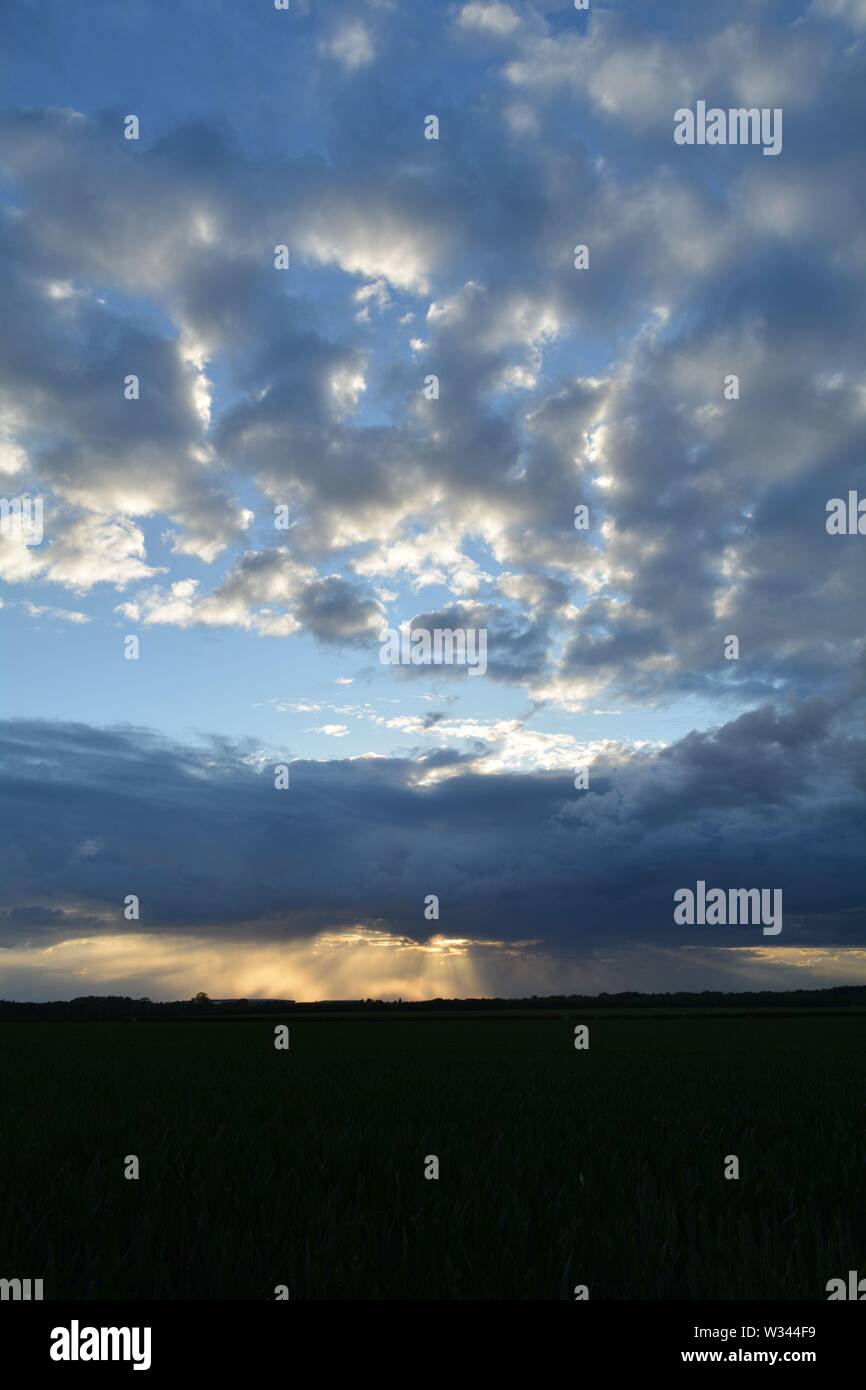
(305,387)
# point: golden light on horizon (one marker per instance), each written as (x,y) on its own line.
(373,962)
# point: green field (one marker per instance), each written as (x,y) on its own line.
(557,1167)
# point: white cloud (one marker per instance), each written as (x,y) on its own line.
(12,457)
(65,615)
(89,550)
(490,18)
(373,240)
(510,746)
(351,46)
(429,557)
(853,12)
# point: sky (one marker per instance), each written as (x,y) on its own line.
(285,487)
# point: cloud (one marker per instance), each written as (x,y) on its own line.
(351,45)
(79,553)
(852,12)
(631,71)
(65,615)
(492,18)
(199,833)
(696,502)
(269,593)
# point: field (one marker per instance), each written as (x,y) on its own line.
(557,1167)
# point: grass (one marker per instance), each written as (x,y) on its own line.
(558,1167)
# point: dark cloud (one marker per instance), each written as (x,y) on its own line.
(515,648)
(336,611)
(204,839)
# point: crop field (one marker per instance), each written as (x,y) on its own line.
(557,1167)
